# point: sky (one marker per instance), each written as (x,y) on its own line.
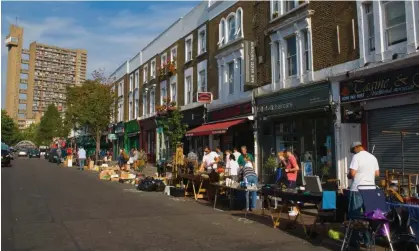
(111,32)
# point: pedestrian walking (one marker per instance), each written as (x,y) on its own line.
(82,157)
(362,171)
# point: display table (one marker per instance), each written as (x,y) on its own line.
(192,179)
(230,193)
(288,199)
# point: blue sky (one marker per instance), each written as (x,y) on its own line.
(111,32)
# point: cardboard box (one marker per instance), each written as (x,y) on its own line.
(115,179)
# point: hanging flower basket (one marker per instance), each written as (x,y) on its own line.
(171,108)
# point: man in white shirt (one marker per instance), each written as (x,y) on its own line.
(363,170)
(236,153)
(82,157)
(209,161)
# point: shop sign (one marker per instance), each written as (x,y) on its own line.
(231,112)
(120,128)
(111,136)
(294,100)
(401,81)
(250,63)
(204,97)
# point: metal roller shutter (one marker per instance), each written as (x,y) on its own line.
(388,146)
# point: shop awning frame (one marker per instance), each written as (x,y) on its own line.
(214,128)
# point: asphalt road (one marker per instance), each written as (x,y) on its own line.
(45,207)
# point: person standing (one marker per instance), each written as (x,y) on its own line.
(234,168)
(291,167)
(249,175)
(362,171)
(242,158)
(220,153)
(227,161)
(192,161)
(82,157)
(209,161)
(236,153)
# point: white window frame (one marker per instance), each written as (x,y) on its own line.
(239,23)
(163,59)
(137,79)
(145,74)
(202,78)
(172,58)
(386,38)
(282,7)
(188,90)
(224,37)
(153,69)
(173,83)
(290,57)
(163,86)
(369,14)
(121,89)
(202,42)
(277,59)
(221,32)
(152,106)
(131,82)
(239,62)
(136,106)
(145,102)
(230,83)
(306,50)
(231,16)
(188,38)
(130,110)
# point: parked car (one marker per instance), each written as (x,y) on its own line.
(22,153)
(34,154)
(6,158)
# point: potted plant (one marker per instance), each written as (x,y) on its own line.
(275,14)
(269,168)
(161,110)
(171,106)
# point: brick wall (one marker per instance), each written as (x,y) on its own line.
(327,15)
(261,15)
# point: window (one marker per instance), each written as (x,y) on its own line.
(189,91)
(230,78)
(153,69)
(239,66)
(163,92)
(275,8)
(22,106)
(292,56)
(395,20)
(188,50)
(239,23)
(136,107)
(202,81)
(369,14)
(278,60)
(202,42)
(163,60)
(121,89)
(152,102)
(145,74)
(131,83)
(289,5)
(231,28)
(137,79)
(173,54)
(221,30)
(306,54)
(21,115)
(130,111)
(144,104)
(23,86)
(173,92)
(22,96)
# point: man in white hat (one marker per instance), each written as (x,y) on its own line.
(363,170)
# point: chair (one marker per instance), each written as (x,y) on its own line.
(327,208)
(373,199)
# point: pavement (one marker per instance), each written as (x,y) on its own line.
(47,207)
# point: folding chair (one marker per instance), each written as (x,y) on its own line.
(403,223)
(373,199)
(326,210)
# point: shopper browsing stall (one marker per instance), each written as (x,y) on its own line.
(291,167)
(241,160)
(209,161)
(249,175)
(234,168)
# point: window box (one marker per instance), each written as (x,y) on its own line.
(275,14)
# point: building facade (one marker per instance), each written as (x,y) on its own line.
(38,76)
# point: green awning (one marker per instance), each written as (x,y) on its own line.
(132,127)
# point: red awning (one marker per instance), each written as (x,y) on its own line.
(215,128)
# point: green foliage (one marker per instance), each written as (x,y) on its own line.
(270,163)
(51,125)
(173,127)
(9,129)
(89,106)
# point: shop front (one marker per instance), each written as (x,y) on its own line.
(301,120)
(228,128)
(132,130)
(386,105)
(111,138)
(120,139)
(148,138)
(194,118)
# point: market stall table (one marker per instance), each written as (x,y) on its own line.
(231,194)
(192,179)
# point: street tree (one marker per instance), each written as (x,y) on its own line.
(51,126)
(89,106)
(31,133)
(9,129)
